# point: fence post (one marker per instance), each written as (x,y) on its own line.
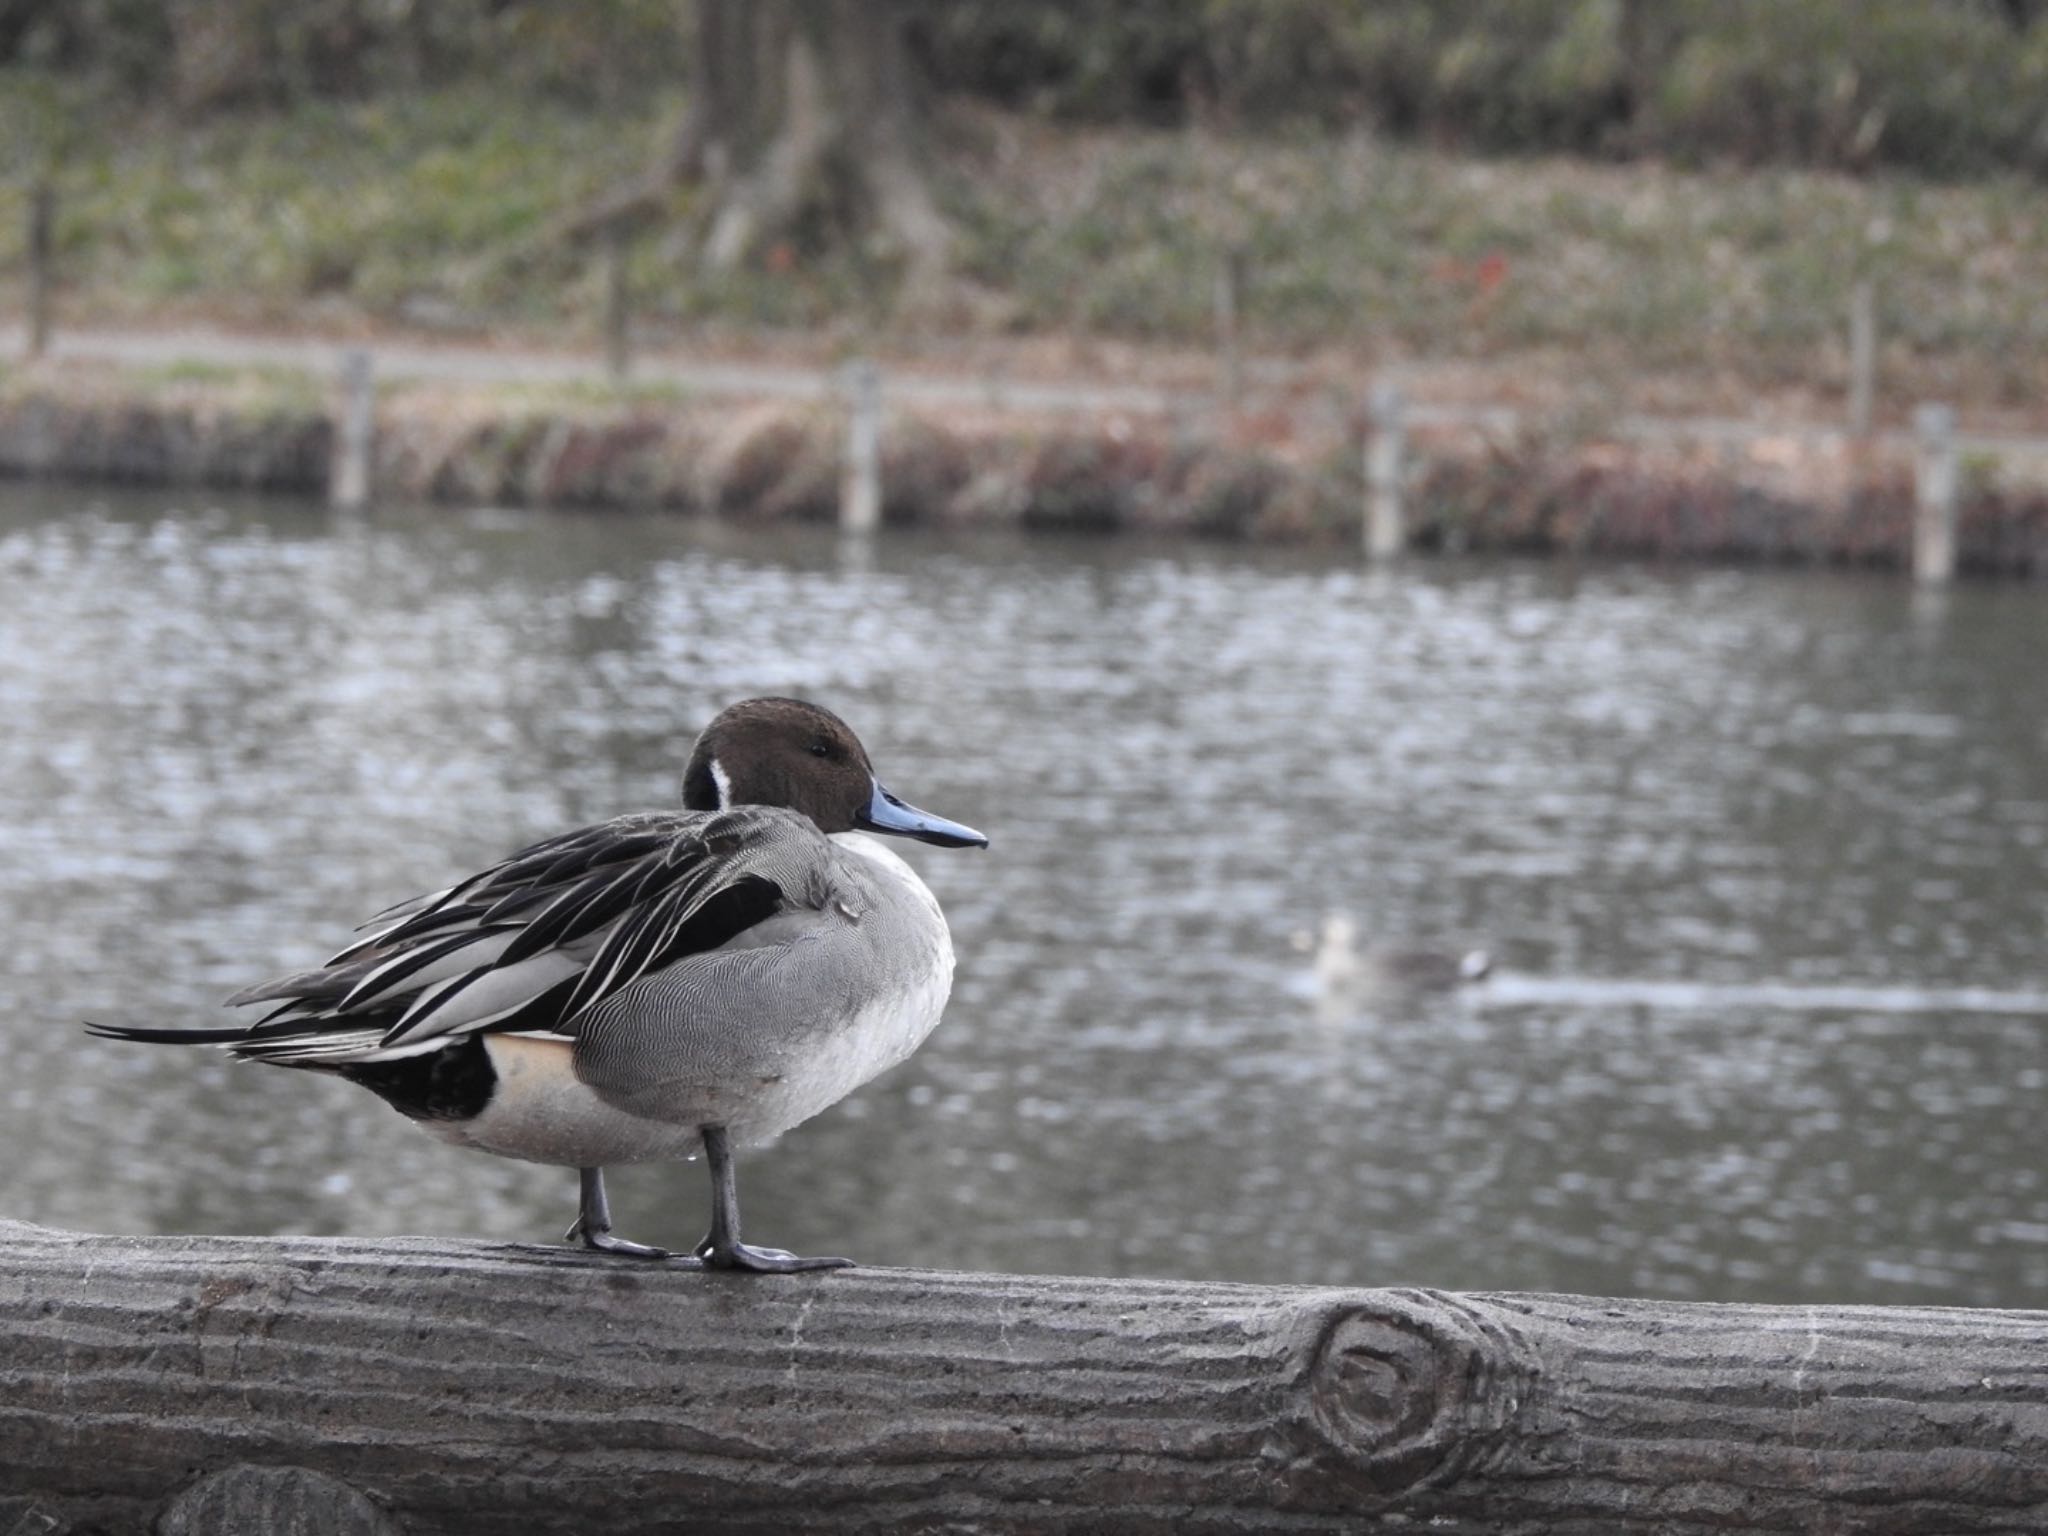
(356,443)
(860,486)
(1936,482)
(1230,274)
(617,358)
(995,386)
(1385,445)
(42,221)
(1862,356)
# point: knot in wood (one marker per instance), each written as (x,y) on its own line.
(273,1499)
(1412,1387)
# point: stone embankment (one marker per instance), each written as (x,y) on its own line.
(1803,499)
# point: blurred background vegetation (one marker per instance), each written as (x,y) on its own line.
(1944,86)
(1688,183)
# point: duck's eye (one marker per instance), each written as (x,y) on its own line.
(820,749)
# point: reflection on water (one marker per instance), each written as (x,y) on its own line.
(232,733)
(1585,993)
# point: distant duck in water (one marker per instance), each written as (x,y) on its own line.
(1341,966)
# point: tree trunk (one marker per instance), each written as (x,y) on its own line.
(456,1387)
(804,111)
(220,52)
(804,127)
(1638,43)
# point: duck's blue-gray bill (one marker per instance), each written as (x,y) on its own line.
(885,813)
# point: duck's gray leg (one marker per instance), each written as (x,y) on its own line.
(593,1226)
(722,1248)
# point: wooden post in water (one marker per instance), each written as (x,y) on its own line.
(42,222)
(995,386)
(860,485)
(618,359)
(1862,356)
(355,443)
(1386,535)
(1936,482)
(1230,274)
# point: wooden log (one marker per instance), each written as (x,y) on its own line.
(272,1500)
(461,1387)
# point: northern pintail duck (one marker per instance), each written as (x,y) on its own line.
(1340,965)
(654,984)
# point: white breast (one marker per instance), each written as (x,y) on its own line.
(880,1034)
(889,867)
(879,1037)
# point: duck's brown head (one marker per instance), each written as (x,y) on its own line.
(792,753)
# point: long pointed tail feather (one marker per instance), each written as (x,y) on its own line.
(227,1035)
(289,1043)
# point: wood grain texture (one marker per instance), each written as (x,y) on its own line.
(466,1388)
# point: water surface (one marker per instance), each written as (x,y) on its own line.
(1760,856)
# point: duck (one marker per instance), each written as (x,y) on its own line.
(657,985)
(1341,966)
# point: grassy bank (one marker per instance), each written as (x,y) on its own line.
(434,210)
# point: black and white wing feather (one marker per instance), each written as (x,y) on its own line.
(532,943)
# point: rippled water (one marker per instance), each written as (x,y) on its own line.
(1760,858)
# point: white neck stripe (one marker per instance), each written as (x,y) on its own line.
(724,782)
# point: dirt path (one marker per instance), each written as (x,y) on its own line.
(1284,400)
(477,364)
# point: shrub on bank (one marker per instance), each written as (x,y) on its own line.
(1951,88)
(1947,88)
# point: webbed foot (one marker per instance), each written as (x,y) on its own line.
(600,1240)
(722,1248)
(593,1228)
(761,1261)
